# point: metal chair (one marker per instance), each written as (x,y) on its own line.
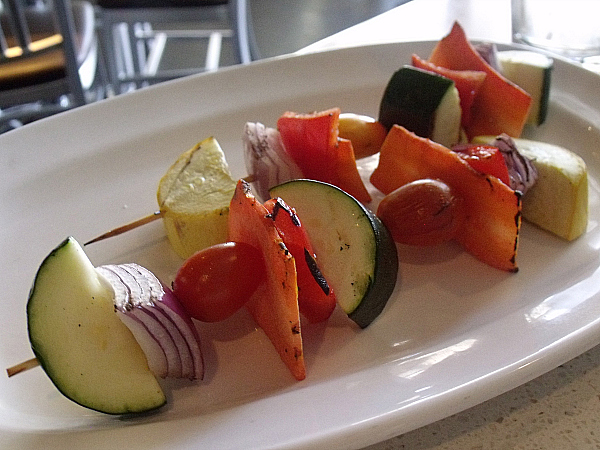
(48,58)
(136,35)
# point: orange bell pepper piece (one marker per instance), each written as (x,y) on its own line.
(492,210)
(274,305)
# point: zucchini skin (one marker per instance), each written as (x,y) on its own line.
(532,72)
(32,341)
(407,103)
(545,102)
(384,278)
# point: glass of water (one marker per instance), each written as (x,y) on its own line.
(570,28)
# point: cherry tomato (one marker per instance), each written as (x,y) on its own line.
(215,282)
(425,213)
(365,133)
(485,159)
(316,299)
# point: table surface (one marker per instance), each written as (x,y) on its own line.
(426,20)
(558,410)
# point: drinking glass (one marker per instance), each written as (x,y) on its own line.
(567,27)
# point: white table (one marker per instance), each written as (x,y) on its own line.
(559,410)
(424,20)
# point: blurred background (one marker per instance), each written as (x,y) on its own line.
(284,26)
(60,54)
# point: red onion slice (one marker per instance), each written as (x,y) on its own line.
(153,290)
(169,304)
(267,162)
(521,171)
(147,339)
(157,320)
(143,308)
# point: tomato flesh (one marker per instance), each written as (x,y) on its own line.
(485,159)
(215,282)
(316,300)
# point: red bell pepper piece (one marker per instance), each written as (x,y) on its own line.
(500,106)
(316,299)
(485,159)
(312,140)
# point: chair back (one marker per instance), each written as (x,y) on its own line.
(38,59)
(135,35)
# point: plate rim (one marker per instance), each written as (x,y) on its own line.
(386,425)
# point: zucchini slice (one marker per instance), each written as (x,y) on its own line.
(82,345)
(423,102)
(532,72)
(354,249)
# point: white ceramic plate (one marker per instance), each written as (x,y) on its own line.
(454,334)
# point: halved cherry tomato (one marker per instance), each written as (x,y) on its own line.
(215,282)
(485,159)
(316,299)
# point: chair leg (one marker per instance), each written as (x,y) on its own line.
(244,32)
(157,48)
(106,26)
(124,61)
(67,25)
(213,53)
(102,86)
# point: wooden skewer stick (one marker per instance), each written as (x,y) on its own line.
(143,221)
(22,367)
(130,226)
